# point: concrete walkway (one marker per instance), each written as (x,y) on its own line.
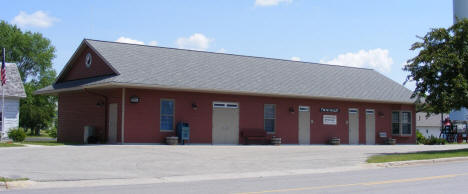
(65,163)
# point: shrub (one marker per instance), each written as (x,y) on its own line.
(17,134)
(420,139)
(52,132)
(435,141)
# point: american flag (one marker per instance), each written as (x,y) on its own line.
(3,68)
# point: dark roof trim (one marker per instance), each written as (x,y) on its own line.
(113,84)
(75,55)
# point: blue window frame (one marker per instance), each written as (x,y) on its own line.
(167,115)
(269,117)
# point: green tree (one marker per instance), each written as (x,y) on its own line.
(440,70)
(38,111)
(33,55)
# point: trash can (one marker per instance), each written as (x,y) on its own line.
(183,132)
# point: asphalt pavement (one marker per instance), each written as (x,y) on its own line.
(426,179)
(192,162)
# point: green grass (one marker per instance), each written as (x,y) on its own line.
(418,156)
(44,143)
(6,145)
(5,179)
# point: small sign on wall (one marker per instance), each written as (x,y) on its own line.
(329,119)
(383,134)
(329,110)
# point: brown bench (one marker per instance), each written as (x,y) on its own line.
(254,134)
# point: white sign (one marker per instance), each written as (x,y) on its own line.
(329,119)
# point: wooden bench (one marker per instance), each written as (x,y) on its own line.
(254,134)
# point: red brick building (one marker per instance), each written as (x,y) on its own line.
(137,94)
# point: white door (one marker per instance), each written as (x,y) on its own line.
(353,124)
(304,125)
(225,123)
(370,126)
(112,126)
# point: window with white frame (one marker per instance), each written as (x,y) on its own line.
(167,115)
(269,116)
(401,123)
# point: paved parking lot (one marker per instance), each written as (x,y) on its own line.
(156,161)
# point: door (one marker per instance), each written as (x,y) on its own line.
(304,125)
(112,126)
(370,126)
(353,124)
(225,123)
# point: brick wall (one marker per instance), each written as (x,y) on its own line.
(78,69)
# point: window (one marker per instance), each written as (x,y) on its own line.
(225,105)
(401,123)
(167,115)
(269,116)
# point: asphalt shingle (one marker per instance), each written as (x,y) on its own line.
(198,70)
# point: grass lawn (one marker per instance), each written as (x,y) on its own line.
(4,179)
(44,143)
(5,145)
(418,156)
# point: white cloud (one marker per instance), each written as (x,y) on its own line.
(197,41)
(37,19)
(153,43)
(270,2)
(296,58)
(129,40)
(378,59)
(221,50)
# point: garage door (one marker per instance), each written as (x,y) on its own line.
(225,123)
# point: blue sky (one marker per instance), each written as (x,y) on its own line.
(363,33)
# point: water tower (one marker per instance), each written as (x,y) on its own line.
(460,9)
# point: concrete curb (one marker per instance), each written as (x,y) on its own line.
(420,162)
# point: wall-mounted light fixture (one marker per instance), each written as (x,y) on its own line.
(100,104)
(194,106)
(381,114)
(291,110)
(134,99)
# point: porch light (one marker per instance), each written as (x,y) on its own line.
(381,114)
(194,106)
(100,104)
(291,110)
(134,99)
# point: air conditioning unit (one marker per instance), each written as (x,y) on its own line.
(88,132)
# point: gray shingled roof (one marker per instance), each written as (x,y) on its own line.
(14,85)
(206,71)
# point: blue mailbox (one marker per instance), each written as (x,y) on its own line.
(183,131)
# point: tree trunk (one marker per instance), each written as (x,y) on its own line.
(38,132)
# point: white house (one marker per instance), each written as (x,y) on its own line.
(14,91)
(428,126)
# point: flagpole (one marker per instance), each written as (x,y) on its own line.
(3,95)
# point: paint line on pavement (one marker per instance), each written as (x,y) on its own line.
(359,184)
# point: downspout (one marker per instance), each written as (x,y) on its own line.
(105,111)
(122,127)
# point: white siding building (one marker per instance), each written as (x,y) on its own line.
(14,91)
(428,126)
